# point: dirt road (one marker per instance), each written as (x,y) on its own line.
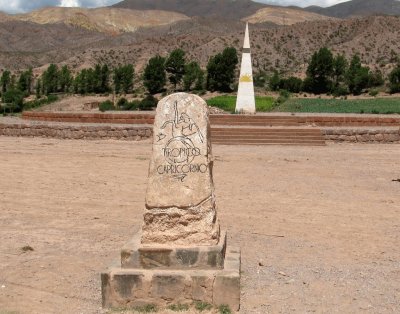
(319,227)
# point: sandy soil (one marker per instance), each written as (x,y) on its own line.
(319,227)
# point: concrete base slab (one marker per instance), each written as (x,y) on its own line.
(133,287)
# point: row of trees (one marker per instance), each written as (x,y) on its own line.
(336,75)
(189,76)
(326,73)
(91,80)
(61,80)
(100,79)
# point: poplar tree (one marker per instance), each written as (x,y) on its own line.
(175,66)
(154,76)
(221,70)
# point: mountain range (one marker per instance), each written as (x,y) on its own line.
(134,30)
(243,8)
(359,8)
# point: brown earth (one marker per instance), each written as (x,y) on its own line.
(233,9)
(283,16)
(359,8)
(286,48)
(81,44)
(106,20)
(318,226)
(76,103)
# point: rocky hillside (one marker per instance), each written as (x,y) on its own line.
(376,39)
(359,8)
(283,16)
(232,9)
(107,20)
(81,38)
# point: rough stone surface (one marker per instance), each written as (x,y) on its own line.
(137,255)
(66,131)
(180,201)
(362,135)
(227,290)
(122,287)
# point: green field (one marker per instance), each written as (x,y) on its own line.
(228,103)
(377,105)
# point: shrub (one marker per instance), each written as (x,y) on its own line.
(203,306)
(14,100)
(340,91)
(284,95)
(260,79)
(148,308)
(275,82)
(178,307)
(133,105)
(292,84)
(106,106)
(394,79)
(373,92)
(51,98)
(39,102)
(122,103)
(148,103)
(224,309)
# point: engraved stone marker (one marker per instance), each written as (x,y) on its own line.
(179,255)
(180,198)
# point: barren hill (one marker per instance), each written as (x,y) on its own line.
(359,8)
(285,48)
(109,20)
(283,16)
(234,9)
(28,37)
(288,49)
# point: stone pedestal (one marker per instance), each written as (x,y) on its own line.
(164,275)
(180,255)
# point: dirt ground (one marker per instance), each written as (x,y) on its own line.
(319,227)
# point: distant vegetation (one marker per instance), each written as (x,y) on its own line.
(337,76)
(228,103)
(374,106)
(326,74)
(181,74)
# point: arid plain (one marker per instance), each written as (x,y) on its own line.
(319,227)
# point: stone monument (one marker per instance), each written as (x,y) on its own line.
(245,101)
(180,255)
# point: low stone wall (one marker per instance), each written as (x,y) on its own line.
(384,135)
(138,133)
(350,120)
(134,133)
(89,117)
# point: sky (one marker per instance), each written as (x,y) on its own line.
(21,6)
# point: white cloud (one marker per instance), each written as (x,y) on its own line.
(13,6)
(69,3)
(20,6)
(303,3)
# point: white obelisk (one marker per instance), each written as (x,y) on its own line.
(245,101)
